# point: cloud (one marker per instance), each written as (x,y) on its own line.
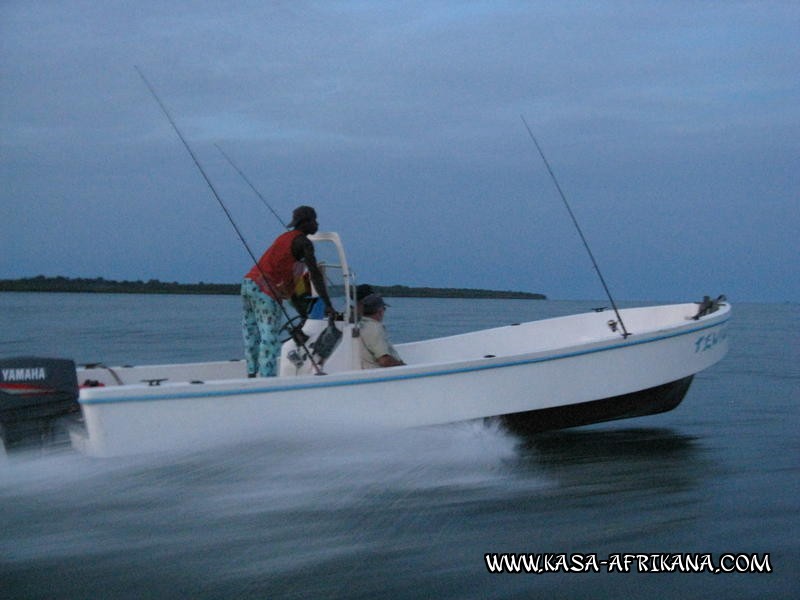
(671,126)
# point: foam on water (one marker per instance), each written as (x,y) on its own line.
(411,514)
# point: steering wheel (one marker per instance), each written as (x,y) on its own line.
(292,325)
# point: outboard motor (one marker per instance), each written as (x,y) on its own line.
(35,393)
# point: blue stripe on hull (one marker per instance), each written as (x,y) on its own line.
(393,374)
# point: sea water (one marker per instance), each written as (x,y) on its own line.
(413,514)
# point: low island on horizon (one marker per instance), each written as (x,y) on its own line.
(100,285)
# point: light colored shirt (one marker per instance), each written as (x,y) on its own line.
(374,343)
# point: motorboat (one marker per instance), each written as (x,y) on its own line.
(535,376)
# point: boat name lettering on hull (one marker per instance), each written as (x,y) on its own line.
(709,340)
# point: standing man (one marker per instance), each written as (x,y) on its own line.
(376,350)
(283,265)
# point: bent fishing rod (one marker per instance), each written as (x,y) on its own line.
(625,333)
(228,214)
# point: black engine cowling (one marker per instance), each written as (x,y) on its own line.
(35,394)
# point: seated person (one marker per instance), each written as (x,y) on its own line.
(362,291)
(376,350)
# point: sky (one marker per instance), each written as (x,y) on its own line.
(673,129)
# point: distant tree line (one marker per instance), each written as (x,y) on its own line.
(154,286)
(403,291)
(107,286)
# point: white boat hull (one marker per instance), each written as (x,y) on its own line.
(565,366)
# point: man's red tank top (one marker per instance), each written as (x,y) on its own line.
(280,266)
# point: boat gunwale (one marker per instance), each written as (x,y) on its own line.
(95,396)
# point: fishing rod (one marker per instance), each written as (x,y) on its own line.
(252,187)
(625,333)
(228,214)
